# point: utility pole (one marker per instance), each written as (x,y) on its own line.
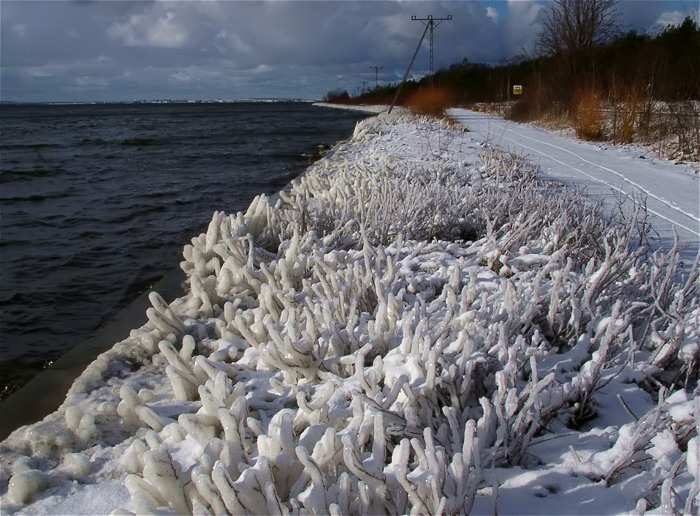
(405,75)
(376,74)
(431,23)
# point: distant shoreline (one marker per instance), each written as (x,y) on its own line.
(155,101)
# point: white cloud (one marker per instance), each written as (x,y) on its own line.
(262,68)
(87,81)
(521,27)
(668,18)
(167,33)
(41,72)
(233,44)
(142,30)
(182,75)
(20,29)
(492,13)
(209,49)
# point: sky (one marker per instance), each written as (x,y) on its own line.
(103,50)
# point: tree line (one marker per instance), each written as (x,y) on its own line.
(580,49)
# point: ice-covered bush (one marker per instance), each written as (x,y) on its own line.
(388,334)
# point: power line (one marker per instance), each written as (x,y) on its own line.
(405,75)
(431,23)
(376,75)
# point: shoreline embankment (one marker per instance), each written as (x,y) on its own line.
(46,391)
(417,325)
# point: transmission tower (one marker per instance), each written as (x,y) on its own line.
(376,75)
(431,23)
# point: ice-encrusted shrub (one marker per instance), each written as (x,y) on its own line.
(337,303)
(427,199)
(339,355)
(426,352)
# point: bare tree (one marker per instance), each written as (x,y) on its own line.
(571,30)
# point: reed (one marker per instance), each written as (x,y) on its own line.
(588,119)
(431,101)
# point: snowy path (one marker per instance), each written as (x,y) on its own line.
(672,192)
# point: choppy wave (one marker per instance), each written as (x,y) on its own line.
(98,200)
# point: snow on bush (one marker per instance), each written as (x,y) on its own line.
(416,326)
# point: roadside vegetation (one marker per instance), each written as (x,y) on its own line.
(585,73)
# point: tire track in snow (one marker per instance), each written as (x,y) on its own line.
(621,176)
(494,128)
(609,185)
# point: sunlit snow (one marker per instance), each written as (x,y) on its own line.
(417,325)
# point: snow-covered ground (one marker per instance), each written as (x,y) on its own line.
(365,108)
(418,325)
(670,192)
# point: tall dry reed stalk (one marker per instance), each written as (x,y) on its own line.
(588,119)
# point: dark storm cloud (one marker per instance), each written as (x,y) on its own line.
(111,50)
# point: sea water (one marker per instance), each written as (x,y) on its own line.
(97,201)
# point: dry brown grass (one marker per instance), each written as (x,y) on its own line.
(625,131)
(588,120)
(624,114)
(429,101)
(670,130)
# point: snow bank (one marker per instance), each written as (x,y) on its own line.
(416,326)
(365,108)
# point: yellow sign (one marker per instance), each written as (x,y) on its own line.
(517,89)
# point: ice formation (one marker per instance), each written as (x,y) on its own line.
(413,318)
